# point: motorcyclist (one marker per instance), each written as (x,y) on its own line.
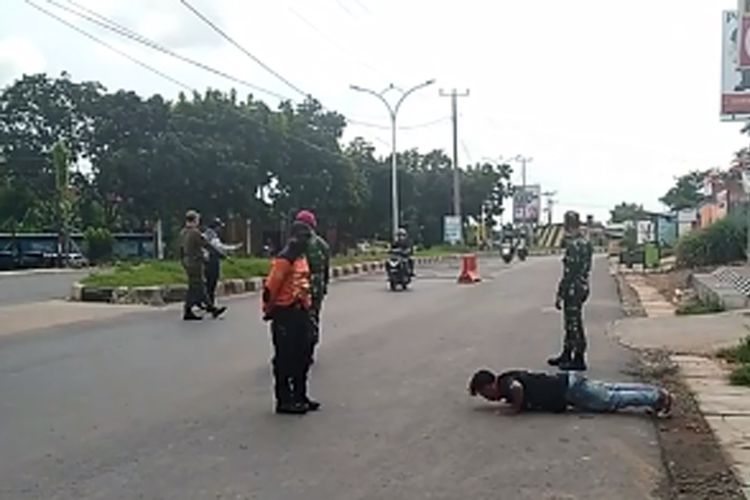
(402,246)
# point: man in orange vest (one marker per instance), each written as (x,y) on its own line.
(286,303)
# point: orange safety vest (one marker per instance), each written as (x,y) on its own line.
(287,284)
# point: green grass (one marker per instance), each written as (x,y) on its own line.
(739,356)
(740,375)
(698,306)
(170,272)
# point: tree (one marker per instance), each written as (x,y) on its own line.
(626,212)
(686,193)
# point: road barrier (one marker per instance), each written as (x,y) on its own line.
(469,270)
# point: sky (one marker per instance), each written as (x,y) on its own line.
(611,100)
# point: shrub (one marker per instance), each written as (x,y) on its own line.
(737,354)
(720,243)
(740,375)
(99,244)
(698,306)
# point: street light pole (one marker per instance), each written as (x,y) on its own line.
(393,114)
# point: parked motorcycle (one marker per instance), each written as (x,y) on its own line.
(397,269)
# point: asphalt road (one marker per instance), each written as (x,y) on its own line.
(23,288)
(150,407)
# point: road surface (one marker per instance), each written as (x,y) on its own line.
(24,287)
(149,407)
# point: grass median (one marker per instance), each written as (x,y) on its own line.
(170,272)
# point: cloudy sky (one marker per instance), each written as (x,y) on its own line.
(611,99)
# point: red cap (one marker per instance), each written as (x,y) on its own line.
(307,217)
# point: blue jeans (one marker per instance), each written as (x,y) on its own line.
(595,396)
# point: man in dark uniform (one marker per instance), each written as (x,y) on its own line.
(528,391)
(191,254)
(217,250)
(572,293)
(318,255)
(286,303)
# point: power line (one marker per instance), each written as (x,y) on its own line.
(400,127)
(249,54)
(106,23)
(261,124)
(344,8)
(111,47)
(323,35)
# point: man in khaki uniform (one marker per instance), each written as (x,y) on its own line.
(191,254)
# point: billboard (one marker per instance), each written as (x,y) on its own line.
(735,82)
(452,229)
(527,209)
(743,40)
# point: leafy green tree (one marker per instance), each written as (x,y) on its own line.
(624,212)
(686,193)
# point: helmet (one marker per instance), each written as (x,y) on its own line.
(401,233)
(307,217)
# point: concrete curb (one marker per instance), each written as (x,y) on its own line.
(161,295)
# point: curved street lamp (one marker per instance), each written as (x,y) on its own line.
(393,113)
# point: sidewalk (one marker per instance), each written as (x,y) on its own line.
(691,342)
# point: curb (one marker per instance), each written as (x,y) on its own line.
(162,295)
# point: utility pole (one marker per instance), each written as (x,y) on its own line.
(454,95)
(550,204)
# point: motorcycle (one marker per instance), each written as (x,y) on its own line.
(523,253)
(506,252)
(397,269)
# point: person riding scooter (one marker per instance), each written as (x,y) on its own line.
(403,246)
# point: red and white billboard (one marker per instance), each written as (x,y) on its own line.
(735,82)
(743,39)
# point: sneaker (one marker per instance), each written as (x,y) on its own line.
(664,408)
(191,316)
(291,408)
(218,311)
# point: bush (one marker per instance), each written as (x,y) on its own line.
(737,354)
(720,243)
(698,306)
(740,375)
(99,244)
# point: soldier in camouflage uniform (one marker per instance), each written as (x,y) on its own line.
(318,257)
(572,294)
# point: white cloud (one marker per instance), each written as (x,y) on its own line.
(19,56)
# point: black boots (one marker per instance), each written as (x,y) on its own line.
(565,362)
(563,358)
(291,408)
(577,364)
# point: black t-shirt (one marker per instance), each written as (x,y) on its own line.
(541,391)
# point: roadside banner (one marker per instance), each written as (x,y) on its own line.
(735,82)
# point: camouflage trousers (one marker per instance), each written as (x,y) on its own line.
(575,336)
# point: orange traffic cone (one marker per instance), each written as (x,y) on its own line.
(469,270)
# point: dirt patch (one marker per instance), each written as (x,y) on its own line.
(696,465)
(668,283)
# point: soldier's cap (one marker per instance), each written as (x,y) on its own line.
(308,217)
(192,216)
